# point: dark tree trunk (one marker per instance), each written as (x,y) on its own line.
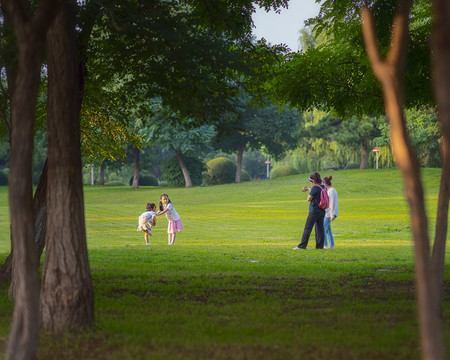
(136,153)
(241,149)
(101,180)
(67,299)
(364,157)
(390,75)
(441,59)
(30,35)
(184,170)
(40,212)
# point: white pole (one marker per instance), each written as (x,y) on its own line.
(92,174)
(268,170)
(377,160)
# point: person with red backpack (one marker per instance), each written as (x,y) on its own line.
(331,213)
(318,202)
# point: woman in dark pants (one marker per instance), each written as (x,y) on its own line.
(316,214)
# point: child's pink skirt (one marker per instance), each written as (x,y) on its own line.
(175,226)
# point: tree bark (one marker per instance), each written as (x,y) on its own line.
(30,34)
(390,74)
(136,153)
(184,170)
(241,149)
(441,80)
(67,299)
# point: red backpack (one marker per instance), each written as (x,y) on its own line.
(324,199)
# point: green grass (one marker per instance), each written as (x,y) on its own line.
(232,288)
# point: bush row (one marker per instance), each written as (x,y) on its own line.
(216,171)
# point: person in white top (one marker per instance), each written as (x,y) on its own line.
(331,213)
(175,224)
(146,221)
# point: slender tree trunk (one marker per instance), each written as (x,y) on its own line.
(241,149)
(441,59)
(364,157)
(184,170)
(390,72)
(30,34)
(101,180)
(136,153)
(39,214)
(67,299)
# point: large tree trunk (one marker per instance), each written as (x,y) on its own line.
(441,61)
(136,153)
(240,157)
(30,34)
(390,74)
(184,170)
(67,299)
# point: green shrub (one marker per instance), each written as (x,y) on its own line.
(282,170)
(3,179)
(146,180)
(114,183)
(173,175)
(220,171)
(245,176)
(352,166)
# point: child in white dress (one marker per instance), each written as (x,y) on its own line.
(146,221)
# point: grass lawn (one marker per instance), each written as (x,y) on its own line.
(232,288)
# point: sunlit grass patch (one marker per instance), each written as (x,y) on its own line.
(232,288)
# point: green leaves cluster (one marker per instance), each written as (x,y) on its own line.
(336,74)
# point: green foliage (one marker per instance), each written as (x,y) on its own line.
(259,128)
(172,174)
(220,171)
(3,178)
(146,180)
(245,176)
(254,163)
(337,76)
(282,170)
(172,132)
(423,131)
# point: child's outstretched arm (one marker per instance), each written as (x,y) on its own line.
(160,212)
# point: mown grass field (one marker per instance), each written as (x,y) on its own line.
(232,288)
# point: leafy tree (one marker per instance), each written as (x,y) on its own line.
(336,74)
(352,133)
(256,128)
(180,136)
(174,176)
(424,135)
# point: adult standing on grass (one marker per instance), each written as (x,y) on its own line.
(316,214)
(175,224)
(331,213)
